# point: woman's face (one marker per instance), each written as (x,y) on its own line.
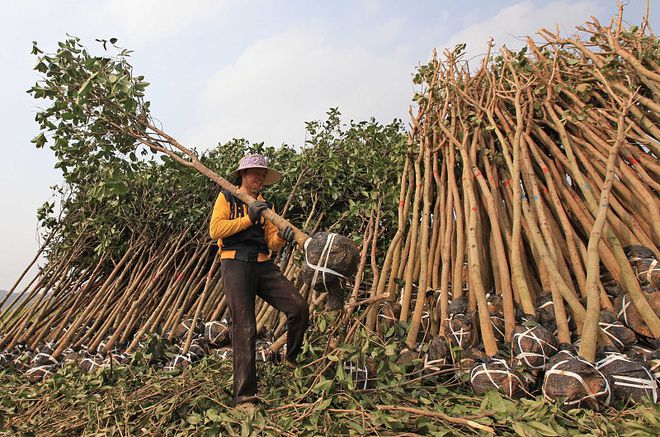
(253,179)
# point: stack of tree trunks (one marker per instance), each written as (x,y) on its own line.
(528,234)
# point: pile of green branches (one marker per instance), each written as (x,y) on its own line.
(319,398)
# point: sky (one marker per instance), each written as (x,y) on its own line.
(258,69)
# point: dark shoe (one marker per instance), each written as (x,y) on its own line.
(290,364)
(246,400)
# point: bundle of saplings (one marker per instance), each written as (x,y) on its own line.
(511,234)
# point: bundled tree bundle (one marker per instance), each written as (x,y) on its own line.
(519,220)
(529,204)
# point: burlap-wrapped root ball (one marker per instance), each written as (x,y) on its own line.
(638,353)
(71,357)
(654,365)
(635,253)
(498,325)
(22,359)
(45,348)
(91,363)
(620,336)
(496,374)
(576,382)
(179,361)
(329,260)
(224,353)
(408,358)
(180,331)
(629,379)
(438,357)
(627,312)
(545,311)
(6,359)
(388,317)
(648,272)
(458,330)
(645,264)
(38,373)
(467,359)
(43,359)
(533,345)
(217,333)
(199,348)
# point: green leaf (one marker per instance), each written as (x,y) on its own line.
(194,419)
(85,86)
(543,429)
(39,141)
(324,404)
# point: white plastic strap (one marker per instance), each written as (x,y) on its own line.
(351,368)
(649,271)
(495,326)
(624,310)
(458,335)
(529,333)
(547,304)
(434,364)
(607,326)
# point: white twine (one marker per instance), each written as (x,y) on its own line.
(93,364)
(555,371)
(327,249)
(655,368)
(264,347)
(425,317)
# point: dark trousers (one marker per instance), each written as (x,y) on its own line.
(243,280)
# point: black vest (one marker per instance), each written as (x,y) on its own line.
(249,242)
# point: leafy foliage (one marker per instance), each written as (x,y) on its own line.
(319,398)
(116,191)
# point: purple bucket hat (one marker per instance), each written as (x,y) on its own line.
(257,161)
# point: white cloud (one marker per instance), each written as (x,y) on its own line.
(512,24)
(279,83)
(151,20)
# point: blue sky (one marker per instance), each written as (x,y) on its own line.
(255,69)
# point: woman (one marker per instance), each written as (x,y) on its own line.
(246,240)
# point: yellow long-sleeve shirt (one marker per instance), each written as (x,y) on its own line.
(223,226)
